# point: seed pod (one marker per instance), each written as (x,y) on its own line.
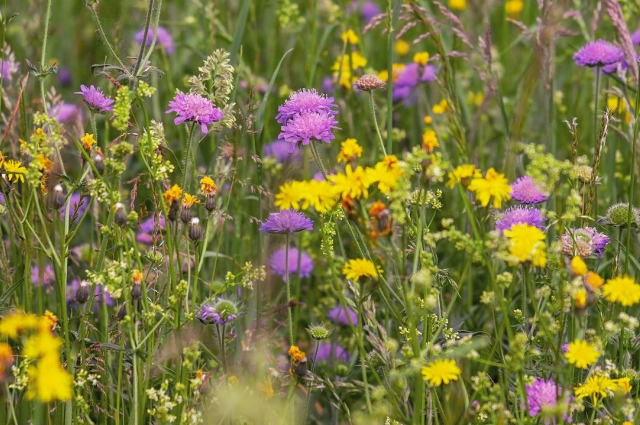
(57,197)
(195,230)
(82,295)
(121,216)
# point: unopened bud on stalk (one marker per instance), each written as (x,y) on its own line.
(98,162)
(121,216)
(195,230)
(186,214)
(83,293)
(369,82)
(57,197)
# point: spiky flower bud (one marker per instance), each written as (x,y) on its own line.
(319,332)
(369,82)
(186,215)
(618,216)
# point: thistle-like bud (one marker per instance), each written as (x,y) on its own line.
(195,230)
(369,82)
(82,295)
(121,216)
(57,197)
(136,289)
(618,216)
(319,332)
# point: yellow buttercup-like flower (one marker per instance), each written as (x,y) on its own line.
(289,196)
(319,195)
(11,167)
(421,58)
(88,141)
(359,268)
(49,381)
(527,244)
(513,7)
(402,47)
(349,149)
(349,37)
(582,354)
(174,194)
(458,4)
(441,107)
(578,266)
(463,174)
(396,68)
(622,290)
(441,372)
(430,141)
(353,183)
(494,186)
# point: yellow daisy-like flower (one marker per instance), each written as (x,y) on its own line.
(173,195)
(622,290)
(349,37)
(352,184)
(458,4)
(427,119)
(48,321)
(430,141)
(513,8)
(441,372)
(580,299)
(582,354)
(385,175)
(463,174)
(623,385)
(207,185)
(88,141)
(296,354)
(402,47)
(597,385)
(421,58)
(49,381)
(11,167)
(527,244)
(594,280)
(359,268)
(395,69)
(319,195)
(41,344)
(494,186)
(349,149)
(189,200)
(137,276)
(14,324)
(289,196)
(441,107)
(578,266)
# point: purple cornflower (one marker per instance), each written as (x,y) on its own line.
(340,316)
(279,149)
(409,78)
(598,53)
(527,191)
(302,129)
(520,215)
(278,264)
(304,101)
(542,393)
(286,221)
(95,99)
(75,206)
(48,276)
(328,351)
(195,108)
(584,242)
(163,40)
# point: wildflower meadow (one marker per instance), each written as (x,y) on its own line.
(319,212)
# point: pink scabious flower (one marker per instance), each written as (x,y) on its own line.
(163,40)
(598,53)
(584,242)
(340,316)
(95,99)
(304,128)
(286,221)
(278,263)
(194,108)
(527,191)
(304,101)
(520,215)
(542,393)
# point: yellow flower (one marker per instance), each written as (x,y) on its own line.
(11,167)
(44,163)
(319,195)
(622,290)
(475,98)
(349,149)
(430,141)
(421,58)
(189,200)
(578,266)
(441,107)
(386,173)
(359,268)
(458,4)
(13,325)
(582,354)
(48,381)
(349,37)
(296,354)
(402,47)
(173,195)
(441,371)
(513,7)
(344,66)
(494,185)
(580,299)
(353,183)
(595,386)
(88,141)
(395,69)
(427,119)
(2,158)
(527,244)
(594,280)
(137,276)
(289,196)
(42,344)
(49,320)
(623,385)
(463,174)
(207,185)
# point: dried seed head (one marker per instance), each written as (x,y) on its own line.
(369,82)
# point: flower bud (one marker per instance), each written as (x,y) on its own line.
(57,197)
(121,216)
(186,215)
(173,211)
(82,295)
(210,203)
(369,82)
(195,230)
(122,312)
(98,162)
(319,332)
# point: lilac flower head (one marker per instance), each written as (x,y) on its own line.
(584,242)
(327,85)
(163,40)
(635,37)
(148,228)
(64,76)
(8,66)
(409,78)
(279,150)
(278,264)
(195,108)
(370,10)
(304,101)
(542,393)
(76,207)
(340,316)
(221,312)
(329,351)
(66,112)
(48,276)
(520,215)
(207,316)
(302,129)
(598,53)
(527,191)
(286,221)
(95,99)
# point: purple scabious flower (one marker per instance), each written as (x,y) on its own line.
(542,393)
(304,128)
(527,191)
(598,53)
(208,316)
(95,99)
(328,351)
(369,10)
(278,264)
(584,242)
(221,312)
(75,208)
(64,76)
(66,112)
(279,150)
(163,40)
(409,78)
(304,101)
(286,221)
(520,215)
(194,108)
(48,276)
(148,228)
(340,316)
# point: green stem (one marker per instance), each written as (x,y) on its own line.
(632,172)
(372,109)
(187,159)
(286,272)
